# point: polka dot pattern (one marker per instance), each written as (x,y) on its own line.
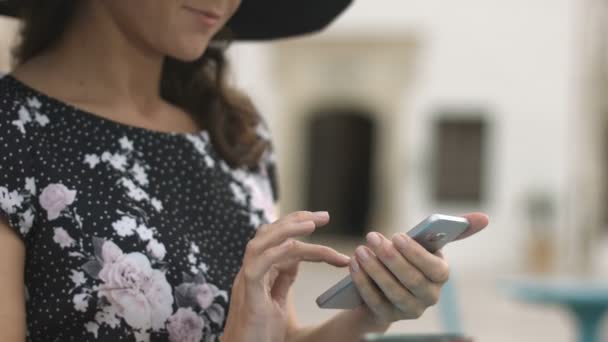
(83,192)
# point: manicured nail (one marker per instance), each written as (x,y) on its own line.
(400,241)
(321,214)
(362,253)
(374,239)
(354,265)
(345,257)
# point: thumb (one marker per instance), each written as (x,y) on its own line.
(283,282)
(478,221)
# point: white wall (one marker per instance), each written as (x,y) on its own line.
(514,59)
(511,58)
(8,28)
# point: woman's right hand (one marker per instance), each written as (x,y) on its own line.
(258,308)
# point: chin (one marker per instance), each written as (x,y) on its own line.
(189,51)
(187,56)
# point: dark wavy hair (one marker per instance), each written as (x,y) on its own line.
(199,87)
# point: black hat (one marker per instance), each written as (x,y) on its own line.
(262,19)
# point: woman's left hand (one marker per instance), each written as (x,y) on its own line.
(397,278)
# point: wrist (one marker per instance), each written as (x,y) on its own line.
(228,336)
(246,331)
(232,332)
(368,321)
(235,336)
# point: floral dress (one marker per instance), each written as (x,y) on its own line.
(130,234)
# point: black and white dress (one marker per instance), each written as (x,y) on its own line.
(131,234)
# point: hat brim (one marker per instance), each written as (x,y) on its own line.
(264,19)
(8,9)
(274,19)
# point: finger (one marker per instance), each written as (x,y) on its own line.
(297,251)
(371,294)
(477,222)
(401,294)
(296,224)
(408,275)
(282,284)
(276,233)
(433,267)
(320,218)
(293,250)
(439,253)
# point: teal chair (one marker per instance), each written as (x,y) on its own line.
(449,309)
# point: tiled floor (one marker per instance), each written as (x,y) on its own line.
(487,314)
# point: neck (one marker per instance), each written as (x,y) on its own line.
(102,62)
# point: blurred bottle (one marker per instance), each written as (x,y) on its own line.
(541,238)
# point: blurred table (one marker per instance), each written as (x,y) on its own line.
(587,300)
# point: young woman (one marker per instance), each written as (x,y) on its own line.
(137,189)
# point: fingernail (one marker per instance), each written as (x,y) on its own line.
(400,241)
(362,253)
(354,265)
(346,257)
(374,239)
(321,214)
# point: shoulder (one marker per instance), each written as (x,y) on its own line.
(17,114)
(8,99)
(268,160)
(19,111)
(13,119)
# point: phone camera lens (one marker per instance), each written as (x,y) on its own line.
(436,237)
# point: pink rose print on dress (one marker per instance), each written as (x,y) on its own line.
(197,296)
(185,326)
(132,291)
(141,295)
(205,295)
(55,198)
(110,252)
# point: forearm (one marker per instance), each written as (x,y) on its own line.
(345,326)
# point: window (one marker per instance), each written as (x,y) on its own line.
(459,160)
(339,174)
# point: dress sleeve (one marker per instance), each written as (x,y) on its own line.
(17,183)
(268,162)
(271,171)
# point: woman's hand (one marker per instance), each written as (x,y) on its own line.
(398,279)
(258,310)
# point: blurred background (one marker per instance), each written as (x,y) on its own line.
(405,108)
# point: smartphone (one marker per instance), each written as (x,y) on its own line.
(432,233)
